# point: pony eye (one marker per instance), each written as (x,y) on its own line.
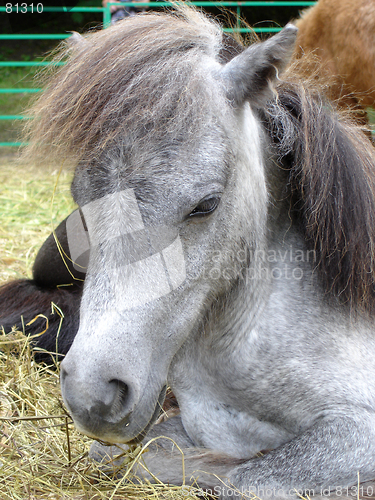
(205,207)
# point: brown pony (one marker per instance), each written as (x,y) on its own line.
(341,35)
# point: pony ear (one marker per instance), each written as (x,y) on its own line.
(250,75)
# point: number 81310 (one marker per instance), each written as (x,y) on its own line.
(22,8)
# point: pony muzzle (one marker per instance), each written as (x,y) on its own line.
(108,409)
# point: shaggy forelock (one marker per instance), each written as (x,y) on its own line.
(142,75)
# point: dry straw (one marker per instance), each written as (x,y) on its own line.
(42,455)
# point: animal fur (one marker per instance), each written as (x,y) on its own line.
(341,35)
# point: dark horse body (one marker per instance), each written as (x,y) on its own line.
(230,217)
(28,298)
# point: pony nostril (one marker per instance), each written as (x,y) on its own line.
(111,401)
(122,397)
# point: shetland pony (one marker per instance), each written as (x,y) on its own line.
(229,220)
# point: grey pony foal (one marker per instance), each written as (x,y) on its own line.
(230,220)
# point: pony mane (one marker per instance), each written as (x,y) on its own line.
(133,74)
(330,168)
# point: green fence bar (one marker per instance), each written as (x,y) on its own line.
(73,9)
(14,117)
(264,3)
(29,63)
(19,91)
(35,37)
(53,9)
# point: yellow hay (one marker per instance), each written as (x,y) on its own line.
(42,455)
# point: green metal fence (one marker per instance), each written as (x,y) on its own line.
(106,22)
